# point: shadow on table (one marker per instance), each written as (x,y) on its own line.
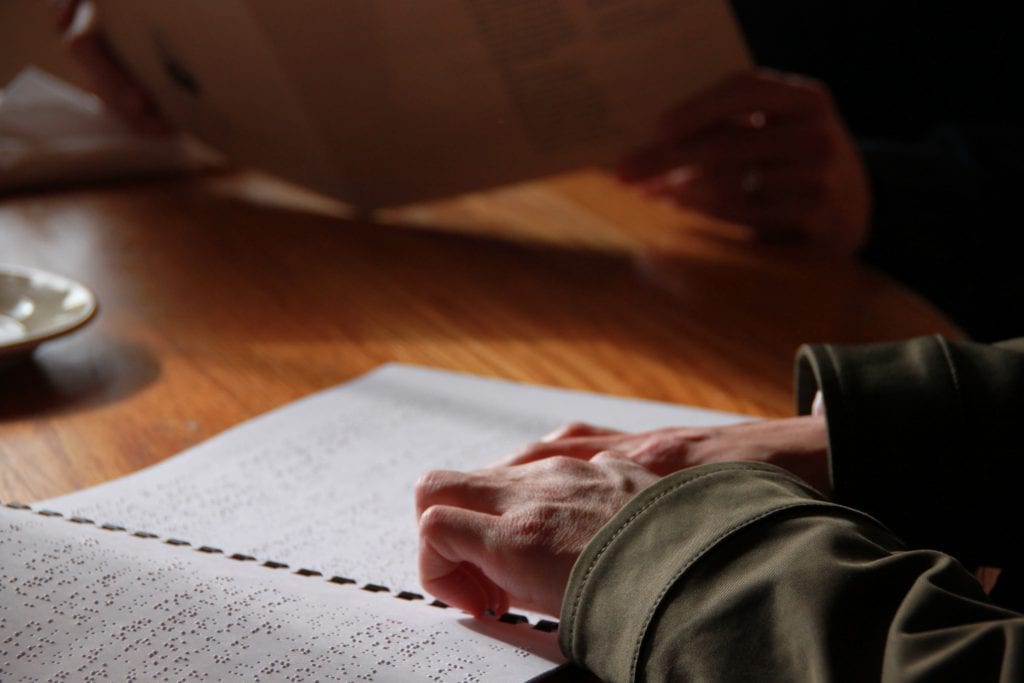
(84,371)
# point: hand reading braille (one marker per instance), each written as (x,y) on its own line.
(507,536)
(797,444)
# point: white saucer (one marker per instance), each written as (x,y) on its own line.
(36,306)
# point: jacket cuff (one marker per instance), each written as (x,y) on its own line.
(896,428)
(626,571)
(883,402)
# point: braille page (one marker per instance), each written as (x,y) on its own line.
(85,604)
(326,483)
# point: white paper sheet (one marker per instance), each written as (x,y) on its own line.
(326,483)
(85,604)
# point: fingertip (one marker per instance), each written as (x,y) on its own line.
(427,487)
(578,429)
(564,431)
(496,598)
(447,579)
(466,589)
(476,603)
(503,603)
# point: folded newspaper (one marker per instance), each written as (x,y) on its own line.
(52,133)
(386,103)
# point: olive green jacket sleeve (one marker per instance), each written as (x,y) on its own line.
(926,435)
(739,571)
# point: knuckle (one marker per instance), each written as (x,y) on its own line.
(431,483)
(649,459)
(571,429)
(533,526)
(605,456)
(433,521)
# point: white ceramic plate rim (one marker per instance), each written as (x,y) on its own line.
(52,331)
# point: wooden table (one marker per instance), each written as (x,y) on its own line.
(226,296)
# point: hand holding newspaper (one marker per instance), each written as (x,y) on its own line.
(393,102)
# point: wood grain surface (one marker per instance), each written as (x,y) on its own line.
(224,296)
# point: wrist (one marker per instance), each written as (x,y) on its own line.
(806,455)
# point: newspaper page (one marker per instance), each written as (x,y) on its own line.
(387,103)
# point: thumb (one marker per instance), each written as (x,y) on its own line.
(453,543)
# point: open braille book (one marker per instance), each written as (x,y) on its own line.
(285,548)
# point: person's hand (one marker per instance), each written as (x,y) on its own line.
(797,444)
(114,85)
(510,535)
(765,150)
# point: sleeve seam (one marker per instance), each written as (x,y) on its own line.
(837,373)
(837,417)
(625,523)
(718,539)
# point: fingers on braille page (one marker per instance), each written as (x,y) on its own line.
(454,551)
(569,439)
(576,429)
(581,448)
(481,492)
(81,602)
